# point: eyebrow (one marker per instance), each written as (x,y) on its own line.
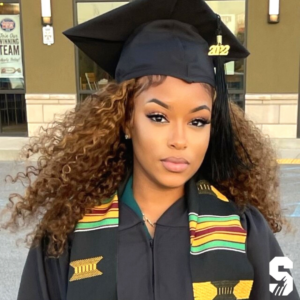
(168,107)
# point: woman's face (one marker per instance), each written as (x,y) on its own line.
(170,120)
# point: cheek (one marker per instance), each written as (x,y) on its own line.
(146,137)
(202,142)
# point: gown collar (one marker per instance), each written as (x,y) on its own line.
(175,216)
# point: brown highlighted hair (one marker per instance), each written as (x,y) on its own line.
(84,156)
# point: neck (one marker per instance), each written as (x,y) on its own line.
(153,198)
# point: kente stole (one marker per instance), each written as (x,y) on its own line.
(217,243)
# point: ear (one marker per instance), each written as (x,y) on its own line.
(127,128)
(128,123)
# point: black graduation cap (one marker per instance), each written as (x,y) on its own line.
(148,37)
(179,38)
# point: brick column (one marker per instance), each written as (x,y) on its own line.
(41,109)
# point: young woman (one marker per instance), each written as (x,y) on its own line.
(155,187)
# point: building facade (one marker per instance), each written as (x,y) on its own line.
(38,80)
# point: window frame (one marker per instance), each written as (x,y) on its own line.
(16,91)
(81,93)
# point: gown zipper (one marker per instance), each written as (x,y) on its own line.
(153,285)
(151,244)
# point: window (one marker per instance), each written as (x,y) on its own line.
(90,76)
(233,15)
(13,120)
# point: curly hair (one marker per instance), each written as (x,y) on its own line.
(83,157)
(259,185)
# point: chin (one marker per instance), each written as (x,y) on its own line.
(172,179)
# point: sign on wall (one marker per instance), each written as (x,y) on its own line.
(10,47)
(48,35)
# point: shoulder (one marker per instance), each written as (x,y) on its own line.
(40,247)
(253,220)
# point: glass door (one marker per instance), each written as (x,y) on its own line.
(13,121)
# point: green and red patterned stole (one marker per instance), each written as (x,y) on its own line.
(213,232)
(217,242)
(103,216)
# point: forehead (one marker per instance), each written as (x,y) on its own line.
(172,90)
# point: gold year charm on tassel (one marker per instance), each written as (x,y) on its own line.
(219,49)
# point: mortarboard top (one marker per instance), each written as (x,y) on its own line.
(166,37)
(178,38)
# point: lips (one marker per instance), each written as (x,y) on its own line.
(176,160)
(175,164)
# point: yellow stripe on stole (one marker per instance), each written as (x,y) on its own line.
(195,224)
(204,291)
(218,194)
(243,288)
(218,232)
(111,213)
(207,291)
(92,218)
(223,237)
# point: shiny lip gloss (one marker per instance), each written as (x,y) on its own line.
(174,167)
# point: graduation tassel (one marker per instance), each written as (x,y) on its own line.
(222,147)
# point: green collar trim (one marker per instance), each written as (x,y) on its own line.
(129,200)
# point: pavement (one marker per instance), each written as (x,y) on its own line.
(13,252)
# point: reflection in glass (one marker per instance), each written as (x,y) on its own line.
(13,120)
(233,15)
(9,9)
(13,114)
(91,76)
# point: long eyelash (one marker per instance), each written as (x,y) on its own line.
(204,121)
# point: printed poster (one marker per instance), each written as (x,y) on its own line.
(11,65)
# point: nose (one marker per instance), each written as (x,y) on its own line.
(177,137)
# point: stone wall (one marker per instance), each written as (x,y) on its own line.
(274,114)
(41,109)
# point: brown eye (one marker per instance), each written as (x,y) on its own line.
(157,117)
(201,122)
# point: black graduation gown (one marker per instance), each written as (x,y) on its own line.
(158,270)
